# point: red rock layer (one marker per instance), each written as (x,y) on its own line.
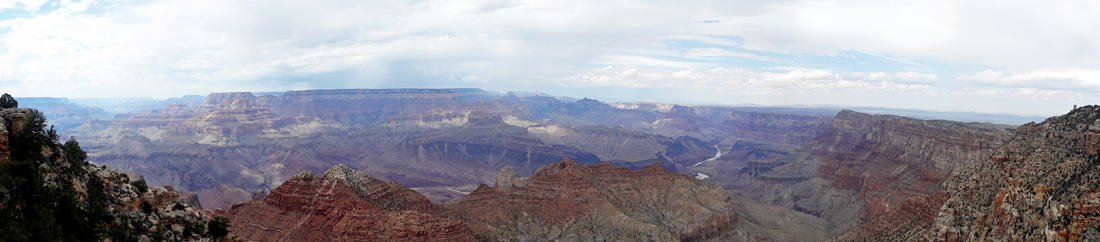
(912,221)
(889,159)
(567,201)
(343,205)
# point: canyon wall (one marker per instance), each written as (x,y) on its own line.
(1038,186)
(861,166)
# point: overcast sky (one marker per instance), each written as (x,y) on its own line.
(1018,57)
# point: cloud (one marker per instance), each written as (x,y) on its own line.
(27,5)
(209,46)
(745,81)
(1073,80)
(1015,35)
(709,53)
(909,77)
(164,48)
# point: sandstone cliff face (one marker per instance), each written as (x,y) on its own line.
(888,159)
(574,202)
(1041,185)
(343,205)
(860,167)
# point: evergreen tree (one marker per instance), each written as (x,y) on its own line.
(219,227)
(38,198)
(6,101)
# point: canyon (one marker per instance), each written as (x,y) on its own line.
(484,166)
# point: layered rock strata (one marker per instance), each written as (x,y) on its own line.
(1039,186)
(571,201)
(888,159)
(861,166)
(343,205)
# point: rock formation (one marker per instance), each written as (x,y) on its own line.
(1038,186)
(570,201)
(48,192)
(861,166)
(343,205)
(563,201)
(1041,185)
(888,159)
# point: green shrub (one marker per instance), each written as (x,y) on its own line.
(194,229)
(219,227)
(6,101)
(146,207)
(140,185)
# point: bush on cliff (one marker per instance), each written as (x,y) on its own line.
(38,198)
(219,227)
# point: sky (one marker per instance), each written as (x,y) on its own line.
(1011,57)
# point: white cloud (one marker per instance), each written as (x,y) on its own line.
(1087,81)
(166,48)
(744,81)
(209,46)
(1024,35)
(28,5)
(909,77)
(706,53)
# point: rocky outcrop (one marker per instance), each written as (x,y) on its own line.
(1041,185)
(571,201)
(48,192)
(343,205)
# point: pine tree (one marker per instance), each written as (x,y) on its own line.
(6,101)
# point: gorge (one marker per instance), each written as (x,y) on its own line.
(465,164)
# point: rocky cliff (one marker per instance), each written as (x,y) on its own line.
(343,205)
(861,166)
(1041,185)
(48,192)
(888,159)
(570,201)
